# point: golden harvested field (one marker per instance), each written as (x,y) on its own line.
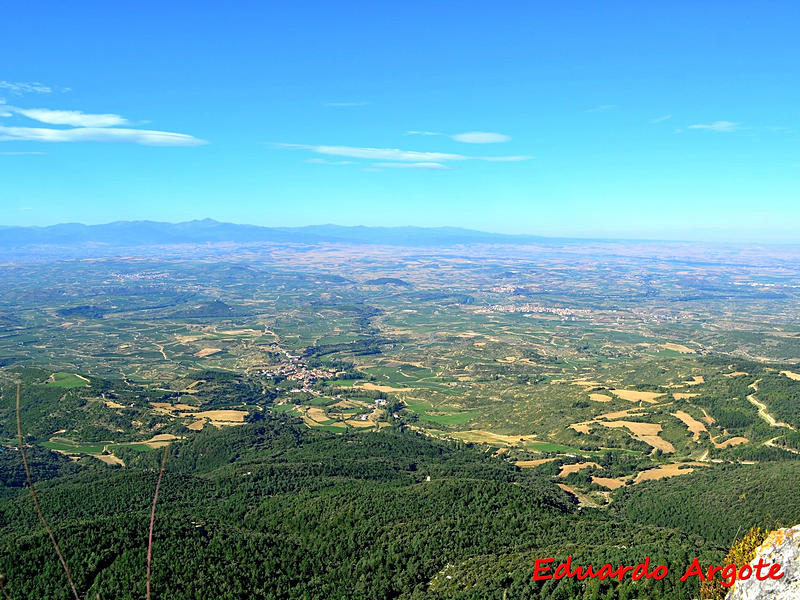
(359,424)
(160,440)
(224,415)
(586,383)
(316,414)
(734,441)
(629,412)
(381,388)
(609,482)
(109,459)
(696,380)
(197,425)
(636,396)
(663,472)
(112,404)
(581,427)
(683,396)
(533,463)
(567,469)
(678,348)
(692,424)
(738,373)
(792,375)
(600,397)
(646,432)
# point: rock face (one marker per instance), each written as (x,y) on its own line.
(782,546)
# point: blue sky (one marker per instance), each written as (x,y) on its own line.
(671,120)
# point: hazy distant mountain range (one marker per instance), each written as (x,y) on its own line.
(145,233)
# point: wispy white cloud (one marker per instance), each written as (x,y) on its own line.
(391,154)
(396,154)
(719,126)
(346,104)
(26,87)
(142,137)
(480,137)
(425,166)
(469,137)
(661,119)
(74,118)
(601,108)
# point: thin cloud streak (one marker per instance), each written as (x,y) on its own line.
(142,137)
(75,118)
(25,87)
(469,137)
(601,108)
(425,166)
(480,137)
(718,126)
(396,154)
(661,119)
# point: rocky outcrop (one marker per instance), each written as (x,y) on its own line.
(782,546)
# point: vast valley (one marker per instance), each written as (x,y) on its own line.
(612,372)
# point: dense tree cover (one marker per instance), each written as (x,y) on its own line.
(44,465)
(718,503)
(275,510)
(782,396)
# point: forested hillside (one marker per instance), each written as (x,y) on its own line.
(276,510)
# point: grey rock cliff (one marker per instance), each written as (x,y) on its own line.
(782,546)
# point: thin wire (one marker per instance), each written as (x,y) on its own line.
(3,588)
(36,501)
(153,520)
